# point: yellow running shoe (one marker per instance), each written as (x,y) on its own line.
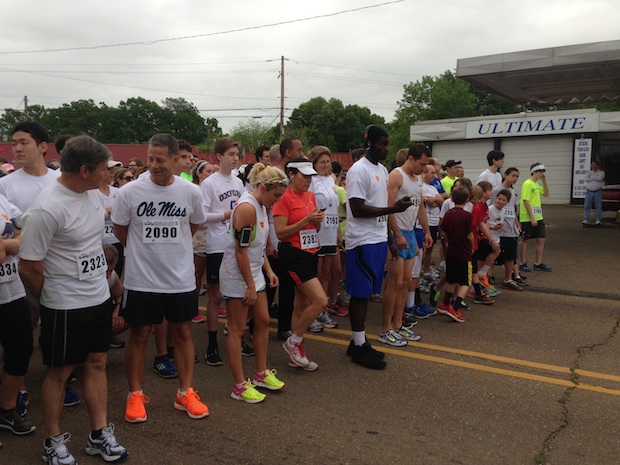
(268,380)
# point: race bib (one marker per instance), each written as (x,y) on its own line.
(8,269)
(509,213)
(108,230)
(537,211)
(331,220)
(161,231)
(381,221)
(91,264)
(309,239)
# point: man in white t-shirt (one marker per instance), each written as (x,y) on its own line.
(366,239)
(30,141)
(433,201)
(62,262)
(495,159)
(155,220)
(220,193)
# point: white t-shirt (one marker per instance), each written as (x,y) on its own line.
(21,188)
(496,216)
(432,213)
(63,228)
(510,212)
(368,182)
(494,178)
(220,194)
(159,252)
(11,287)
(407,220)
(232,283)
(323,188)
(449,205)
(108,202)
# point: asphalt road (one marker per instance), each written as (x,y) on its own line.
(533,379)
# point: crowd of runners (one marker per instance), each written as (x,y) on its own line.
(95,249)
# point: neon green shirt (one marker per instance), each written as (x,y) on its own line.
(531,191)
(185,175)
(342,211)
(447,184)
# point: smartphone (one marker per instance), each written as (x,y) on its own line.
(244,237)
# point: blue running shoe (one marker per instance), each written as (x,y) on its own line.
(426,309)
(21,406)
(542,267)
(417,312)
(524,267)
(71,398)
(164,367)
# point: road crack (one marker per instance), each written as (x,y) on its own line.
(543,456)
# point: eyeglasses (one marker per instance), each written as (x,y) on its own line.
(127,178)
(132,166)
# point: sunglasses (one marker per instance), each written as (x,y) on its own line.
(127,178)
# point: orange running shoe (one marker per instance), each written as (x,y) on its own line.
(135,411)
(191,404)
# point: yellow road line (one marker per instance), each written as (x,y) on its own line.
(473,366)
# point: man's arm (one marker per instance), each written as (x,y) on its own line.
(31,274)
(121,233)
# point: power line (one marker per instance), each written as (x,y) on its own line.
(209,34)
(351,69)
(339,78)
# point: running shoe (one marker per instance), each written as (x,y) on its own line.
(416,312)
(409,319)
(343,300)
(511,286)
(190,403)
(135,412)
(247,393)
(484,281)
(364,355)
(164,367)
(443,309)
(296,352)
(376,353)
(213,358)
(456,315)
(484,300)
(542,267)
(246,350)
(519,280)
(312,366)
(21,405)
(16,423)
(221,312)
(424,287)
(442,267)
(55,450)
(116,343)
(337,310)
(326,321)
(433,295)
(524,267)
(491,292)
(408,335)
(376,298)
(426,309)
(225,330)
(316,327)
(200,318)
(284,335)
(465,305)
(106,445)
(203,290)
(71,398)
(268,380)
(392,338)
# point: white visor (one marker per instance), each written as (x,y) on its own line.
(304,167)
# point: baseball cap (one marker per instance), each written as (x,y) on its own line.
(451,163)
(7,167)
(304,167)
(112,163)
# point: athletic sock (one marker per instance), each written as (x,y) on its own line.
(212,341)
(477,289)
(410,299)
(359,338)
(295,339)
(483,270)
(457,302)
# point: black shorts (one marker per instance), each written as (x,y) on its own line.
(68,336)
(458,271)
(484,249)
(434,233)
(327,250)
(150,308)
(510,246)
(531,232)
(16,336)
(301,266)
(474,262)
(214,261)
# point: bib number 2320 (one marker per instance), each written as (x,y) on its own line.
(91,264)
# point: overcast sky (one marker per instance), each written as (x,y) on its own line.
(361,57)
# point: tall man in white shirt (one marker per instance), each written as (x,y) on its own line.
(495,159)
(156,219)
(367,239)
(62,262)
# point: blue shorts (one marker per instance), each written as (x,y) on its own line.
(419,235)
(365,267)
(409,253)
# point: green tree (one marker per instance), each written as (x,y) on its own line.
(252,133)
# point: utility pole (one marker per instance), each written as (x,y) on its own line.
(282,98)
(26,107)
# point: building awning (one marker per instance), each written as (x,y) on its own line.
(570,74)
